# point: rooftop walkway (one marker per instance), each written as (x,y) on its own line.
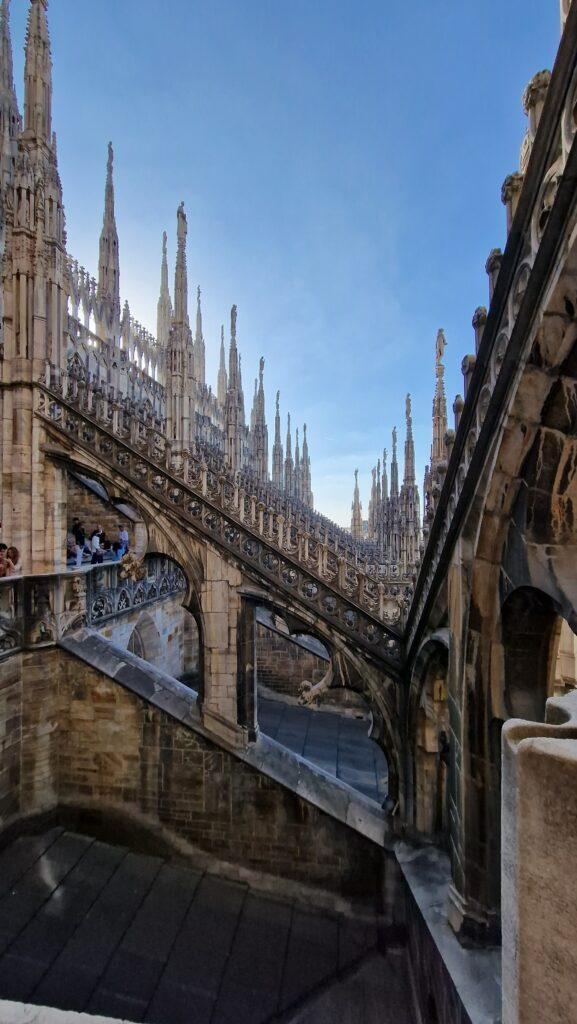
(334,741)
(87,926)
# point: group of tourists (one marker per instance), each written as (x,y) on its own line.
(10,564)
(97,545)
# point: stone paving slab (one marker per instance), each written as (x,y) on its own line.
(335,742)
(133,937)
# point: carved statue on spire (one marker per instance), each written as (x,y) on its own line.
(441,345)
(181,225)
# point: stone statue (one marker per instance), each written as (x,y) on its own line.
(441,345)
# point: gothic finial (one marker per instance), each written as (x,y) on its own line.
(277,400)
(233,323)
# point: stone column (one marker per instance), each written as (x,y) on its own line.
(220,604)
(247,669)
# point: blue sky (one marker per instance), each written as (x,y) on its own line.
(341,164)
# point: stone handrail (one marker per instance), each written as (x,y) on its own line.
(38,610)
(539,205)
(293,559)
(114,589)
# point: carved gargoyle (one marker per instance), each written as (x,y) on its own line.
(308,693)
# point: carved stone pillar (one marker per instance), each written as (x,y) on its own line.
(247,669)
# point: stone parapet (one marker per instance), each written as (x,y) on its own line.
(539,837)
(37,611)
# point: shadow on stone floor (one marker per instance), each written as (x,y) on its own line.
(89,926)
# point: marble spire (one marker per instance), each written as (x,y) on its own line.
(357,511)
(394,468)
(199,346)
(108,292)
(438,446)
(288,462)
(38,76)
(307,494)
(180,274)
(222,382)
(277,451)
(164,305)
(10,121)
(409,477)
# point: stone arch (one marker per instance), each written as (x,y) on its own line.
(381,693)
(192,623)
(145,640)
(292,663)
(530,629)
(428,740)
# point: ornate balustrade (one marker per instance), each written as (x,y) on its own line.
(36,611)
(113,366)
(140,348)
(540,214)
(112,591)
(269,544)
(11,615)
